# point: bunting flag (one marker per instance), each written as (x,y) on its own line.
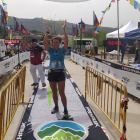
(76,30)
(10,36)
(131,2)
(23,30)
(98,27)
(4,4)
(3,18)
(83,26)
(16,25)
(9,31)
(8,24)
(113,1)
(95,21)
(6,18)
(101,20)
(73,30)
(107,8)
(6,13)
(136,4)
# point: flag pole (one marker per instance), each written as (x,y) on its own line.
(118,29)
(81,35)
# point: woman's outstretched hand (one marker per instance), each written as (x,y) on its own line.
(48,28)
(64,25)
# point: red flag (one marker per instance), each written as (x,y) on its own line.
(83,27)
(96,26)
(3,19)
(101,20)
(9,31)
(23,30)
(6,13)
(17,27)
(95,21)
(113,1)
(94,34)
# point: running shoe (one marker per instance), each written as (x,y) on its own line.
(55,109)
(34,84)
(66,115)
(44,85)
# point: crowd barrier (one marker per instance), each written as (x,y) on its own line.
(11,96)
(130,76)
(102,89)
(7,63)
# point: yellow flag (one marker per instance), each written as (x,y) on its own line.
(131,2)
(10,36)
(100,26)
(106,8)
(92,38)
(2,0)
(6,18)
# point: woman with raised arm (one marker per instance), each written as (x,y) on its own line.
(56,73)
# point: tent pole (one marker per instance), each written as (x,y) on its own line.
(118,29)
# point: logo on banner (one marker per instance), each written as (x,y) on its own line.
(97,66)
(137,85)
(61,130)
(91,63)
(103,70)
(83,61)
(108,71)
(87,63)
(7,65)
(125,80)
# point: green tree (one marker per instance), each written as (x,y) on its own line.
(89,33)
(100,37)
(55,26)
(4,33)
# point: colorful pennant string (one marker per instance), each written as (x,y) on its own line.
(8,24)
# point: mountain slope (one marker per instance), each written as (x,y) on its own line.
(39,25)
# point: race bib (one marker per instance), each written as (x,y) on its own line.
(54,64)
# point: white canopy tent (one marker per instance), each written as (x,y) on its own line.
(128,27)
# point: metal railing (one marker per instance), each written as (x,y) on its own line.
(11,96)
(107,93)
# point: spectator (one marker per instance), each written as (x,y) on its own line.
(137,54)
(87,47)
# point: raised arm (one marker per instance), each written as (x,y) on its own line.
(65,36)
(46,45)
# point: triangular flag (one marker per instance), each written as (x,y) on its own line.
(103,12)
(136,4)
(6,13)
(106,8)
(113,1)
(100,26)
(101,20)
(4,4)
(10,36)
(6,18)
(131,2)
(2,0)
(94,34)
(8,24)
(92,38)
(109,5)
(98,29)
(9,31)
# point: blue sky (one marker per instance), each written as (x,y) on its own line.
(73,12)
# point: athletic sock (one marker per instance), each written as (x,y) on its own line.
(56,105)
(65,109)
